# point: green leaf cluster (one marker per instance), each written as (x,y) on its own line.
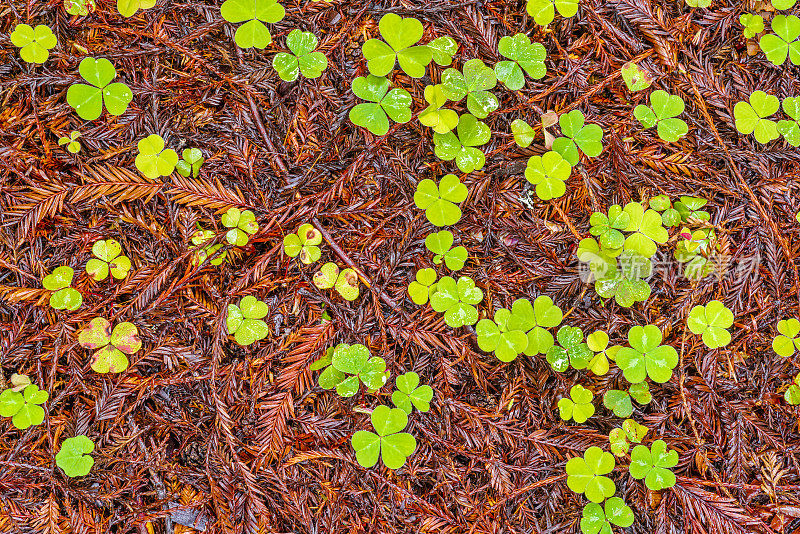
(88,98)
(753,23)
(619,401)
(790,129)
(203,251)
(662,113)
(71,142)
(351,365)
(245,320)
(410,394)
(784,42)
(524,57)
(457,300)
(423,287)
(523,329)
(440,201)
(587,475)
(578,135)
(302,58)
(23,407)
(345,282)
(474,82)
(128,8)
(381,104)
(190,163)
(598,519)
(570,351)
(751,116)
(304,244)
(711,322)
(787,341)
(620,439)
(548,173)
(254,13)
(108,259)
(73,457)
(544,11)
(646,356)
(461,144)
(400,36)
(635,77)
(63,297)
(578,407)
(34,43)
(388,442)
(792,393)
(242,225)
(441,244)
(153,159)
(654,465)
(111,347)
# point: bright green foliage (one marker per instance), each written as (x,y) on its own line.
(304,244)
(422,288)
(753,24)
(711,321)
(524,56)
(302,58)
(112,347)
(608,228)
(543,11)
(439,119)
(409,393)
(621,438)
(523,133)
(790,129)
(34,43)
(785,343)
(783,43)
(641,393)
(671,217)
(73,457)
(698,3)
(347,284)
(460,145)
(602,262)
(443,49)
(128,8)
(109,259)
(647,230)
(326,276)
(254,13)
(79,8)
(598,343)
(401,34)
(474,83)
(660,203)
(242,225)
(653,465)
(579,407)
(203,251)
(440,201)
(381,104)
(694,249)
(63,297)
(619,401)
(23,407)
(153,160)
(661,113)
(245,321)
(585,475)
(88,100)
(586,137)
(783,4)
(689,208)
(598,519)
(646,356)
(548,173)
(457,301)
(534,319)
(751,118)
(571,350)
(792,394)
(441,244)
(392,445)
(72,143)
(495,336)
(625,283)
(353,360)
(191,162)
(636,78)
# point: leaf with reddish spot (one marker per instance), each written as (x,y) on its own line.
(96,334)
(126,338)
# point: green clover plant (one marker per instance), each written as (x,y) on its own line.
(34,43)
(586,475)
(460,145)
(474,83)
(635,77)
(620,439)
(524,134)
(660,203)
(790,129)
(388,441)
(254,13)
(571,350)
(689,208)
(524,57)
(409,394)
(783,4)
(662,113)
(619,401)
(326,276)
(153,159)
(578,135)
(457,300)
(443,49)
(352,360)
(647,229)
(245,320)
(654,465)
(792,393)
(579,407)
(128,8)
(785,343)
(112,346)
(783,43)
(441,244)
(608,228)
(302,58)
(381,104)
(63,297)
(423,287)
(534,319)
(242,225)
(73,457)
(544,11)
(646,356)
(598,343)
(598,519)
(203,251)
(72,143)
(753,23)
(440,201)
(23,407)
(711,322)
(190,163)
(88,100)
(436,117)
(751,117)
(624,282)
(602,262)
(548,173)
(495,336)
(79,8)
(698,3)
(108,259)
(303,244)
(400,34)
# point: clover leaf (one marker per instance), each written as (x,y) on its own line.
(598,519)
(434,116)
(787,341)
(190,163)
(128,8)
(585,475)
(242,224)
(751,117)
(711,321)
(524,56)
(619,438)
(153,160)
(400,34)
(79,8)
(647,230)
(689,208)
(790,129)
(203,251)
(72,143)
(792,394)
(783,43)
(302,58)
(254,13)
(579,407)
(422,288)
(326,276)
(783,4)
(587,137)
(108,260)
(34,43)
(353,360)
(598,343)
(625,283)
(460,145)
(440,201)
(753,23)
(245,320)
(660,203)
(661,113)
(653,465)
(474,83)
(544,11)
(698,3)
(409,393)
(636,78)
(88,100)
(647,356)
(495,336)
(608,228)
(347,284)
(304,244)
(443,49)
(456,300)
(112,346)
(392,445)
(619,401)
(523,133)
(570,350)
(534,319)
(23,407)
(548,173)
(381,102)
(601,262)
(441,243)
(73,457)
(63,297)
